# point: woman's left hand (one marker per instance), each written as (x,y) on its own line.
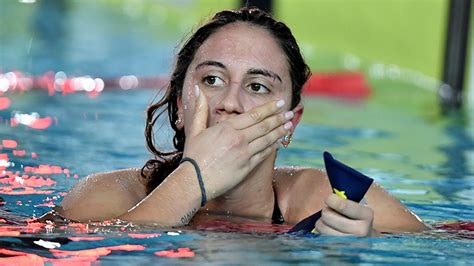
(344,217)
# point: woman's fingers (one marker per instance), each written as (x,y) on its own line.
(260,156)
(325,229)
(200,113)
(346,217)
(264,137)
(260,144)
(256,115)
(343,224)
(268,125)
(348,208)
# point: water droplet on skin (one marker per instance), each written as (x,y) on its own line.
(292,170)
(185,107)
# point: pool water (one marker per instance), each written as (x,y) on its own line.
(424,163)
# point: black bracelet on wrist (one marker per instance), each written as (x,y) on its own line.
(199,176)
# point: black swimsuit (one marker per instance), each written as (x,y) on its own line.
(277,217)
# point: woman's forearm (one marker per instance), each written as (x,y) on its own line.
(173,203)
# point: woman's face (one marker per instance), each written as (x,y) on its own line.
(237,68)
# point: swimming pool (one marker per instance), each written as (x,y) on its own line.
(425,160)
(103,133)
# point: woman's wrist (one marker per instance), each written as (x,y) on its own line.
(188,182)
(197,169)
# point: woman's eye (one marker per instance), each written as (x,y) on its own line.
(212,81)
(259,88)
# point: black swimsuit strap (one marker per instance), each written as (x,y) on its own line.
(277,217)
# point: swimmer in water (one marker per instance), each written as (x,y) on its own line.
(234,98)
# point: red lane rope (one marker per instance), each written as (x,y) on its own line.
(344,84)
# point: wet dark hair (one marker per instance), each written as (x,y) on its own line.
(156,170)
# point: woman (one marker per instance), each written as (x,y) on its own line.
(233,99)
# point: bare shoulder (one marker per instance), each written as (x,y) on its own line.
(390,215)
(301,191)
(103,196)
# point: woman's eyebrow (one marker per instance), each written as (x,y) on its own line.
(263,72)
(210,63)
(252,71)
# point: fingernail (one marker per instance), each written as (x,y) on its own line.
(196,90)
(288,125)
(280,103)
(289,115)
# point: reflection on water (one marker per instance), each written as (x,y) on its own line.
(459,166)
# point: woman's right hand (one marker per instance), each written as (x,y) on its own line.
(228,151)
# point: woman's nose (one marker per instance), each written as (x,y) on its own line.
(231,102)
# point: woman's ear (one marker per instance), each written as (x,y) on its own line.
(179,123)
(298,112)
(179,102)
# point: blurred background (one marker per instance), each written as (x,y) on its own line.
(398,45)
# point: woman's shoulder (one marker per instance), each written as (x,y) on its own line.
(291,174)
(301,191)
(123,180)
(102,196)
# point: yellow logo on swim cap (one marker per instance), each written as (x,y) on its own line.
(341,194)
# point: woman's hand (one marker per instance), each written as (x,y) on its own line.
(228,151)
(343,217)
